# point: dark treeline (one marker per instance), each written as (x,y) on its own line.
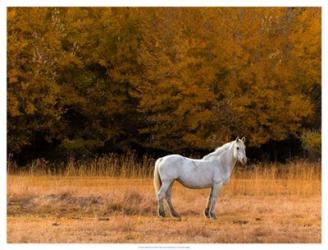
(88,81)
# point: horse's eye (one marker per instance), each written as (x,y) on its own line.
(237,148)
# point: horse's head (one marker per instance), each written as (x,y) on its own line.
(239,151)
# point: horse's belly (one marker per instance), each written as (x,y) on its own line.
(195,182)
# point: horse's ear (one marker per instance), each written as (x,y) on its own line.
(237,138)
(243,139)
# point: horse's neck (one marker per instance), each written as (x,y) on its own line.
(227,160)
(216,153)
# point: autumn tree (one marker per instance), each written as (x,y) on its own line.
(89,80)
(231,72)
(33,52)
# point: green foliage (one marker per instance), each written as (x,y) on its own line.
(311,142)
(170,78)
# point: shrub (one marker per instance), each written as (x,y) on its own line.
(311,142)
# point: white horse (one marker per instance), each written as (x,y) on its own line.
(213,170)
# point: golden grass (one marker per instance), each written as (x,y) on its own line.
(276,203)
(109,165)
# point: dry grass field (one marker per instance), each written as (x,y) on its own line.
(269,204)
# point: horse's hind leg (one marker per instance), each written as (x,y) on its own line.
(160,196)
(169,202)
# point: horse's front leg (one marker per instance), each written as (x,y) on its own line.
(214,194)
(207,209)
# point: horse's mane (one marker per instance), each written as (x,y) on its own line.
(217,151)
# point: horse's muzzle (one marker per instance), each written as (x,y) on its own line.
(244,161)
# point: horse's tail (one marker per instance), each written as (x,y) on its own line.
(157,178)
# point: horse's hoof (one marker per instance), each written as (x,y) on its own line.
(212,216)
(178,218)
(175,215)
(161,214)
(206,213)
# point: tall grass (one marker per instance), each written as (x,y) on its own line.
(297,177)
(130,165)
(111,165)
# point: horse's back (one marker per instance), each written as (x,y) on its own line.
(169,166)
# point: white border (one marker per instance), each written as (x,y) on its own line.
(7,3)
(324,95)
(3,126)
(163,3)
